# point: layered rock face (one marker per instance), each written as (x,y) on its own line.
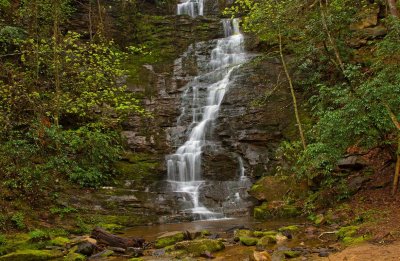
(245,135)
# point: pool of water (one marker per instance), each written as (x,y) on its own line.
(222,227)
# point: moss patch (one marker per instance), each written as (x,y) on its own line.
(32,255)
(267,241)
(60,241)
(75,257)
(291,254)
(268,211)
(248,241)
(198,247)
(264,233)
(242,233)
(169,239)
(348,231)
(292,229)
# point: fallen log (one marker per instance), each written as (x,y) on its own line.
(104,237)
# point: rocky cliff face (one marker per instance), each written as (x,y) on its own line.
(244,130)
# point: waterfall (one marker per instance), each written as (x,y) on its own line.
(192,8)
(184,167)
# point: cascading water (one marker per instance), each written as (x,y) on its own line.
(191,7)
(184,167)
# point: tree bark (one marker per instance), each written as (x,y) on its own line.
(393,8)
(296,111)
(330,38)
(397,169)
(109,239)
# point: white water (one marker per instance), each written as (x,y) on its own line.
(192,8)
(184,167)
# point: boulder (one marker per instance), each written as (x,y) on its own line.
(170,238)
(260,256)
(275,210)
(266,241)
(353,162)
(248,241)
(199,247)
(86,248)
(269,188)
(242,233)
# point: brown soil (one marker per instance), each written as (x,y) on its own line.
(374,204)
(378,211)
(365,252)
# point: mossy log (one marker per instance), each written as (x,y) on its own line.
(103,237)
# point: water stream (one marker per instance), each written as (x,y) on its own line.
(192,8)
(206,92)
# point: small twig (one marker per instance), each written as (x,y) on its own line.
(326,233)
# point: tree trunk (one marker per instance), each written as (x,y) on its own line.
(56,59)
(330,38)
(109,239)
(397,169)
(393,8)
(296,111)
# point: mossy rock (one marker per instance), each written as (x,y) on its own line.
(264,233)
(266,241)
(60,241)
(248,241)
(348,231)
(111,227)
(169,239)
(32,255)
(348,241)
(269,188)
(136,259)
(275,210)
(74,257)
(292,229)
(198,247)
(242,233)
(205,233)
(291,254)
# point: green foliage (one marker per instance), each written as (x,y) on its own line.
(62,211)
(62,99)
(18,220)
(350,104)
(3,239)
(38,235)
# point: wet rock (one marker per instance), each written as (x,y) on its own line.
(102,254)
(117,249)
(260,256)
(170,238)
(134,251)
(266,241)
(264,233)
(86,248)
(323,254)
(159,252)
(207,254)
(292,229)
(291,253)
